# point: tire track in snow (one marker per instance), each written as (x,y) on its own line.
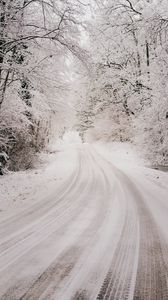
(85,292)
(36,234)
(117,282)
(120,279)
(152,266)
(36,288)
(17,223)
(151,281)
(138,266)
(54,273)
(83,241)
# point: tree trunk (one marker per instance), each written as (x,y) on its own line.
(2,41)
(148,60)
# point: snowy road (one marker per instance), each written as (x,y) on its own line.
(103,234)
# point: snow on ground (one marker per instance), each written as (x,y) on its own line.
(18,189)
(93,236)
(121,154)
(125,157)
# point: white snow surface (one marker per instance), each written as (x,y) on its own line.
(23,188)
(81,225)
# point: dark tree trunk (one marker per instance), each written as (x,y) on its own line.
(2,41)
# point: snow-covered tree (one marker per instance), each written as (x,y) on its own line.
(128,41)
(36,39)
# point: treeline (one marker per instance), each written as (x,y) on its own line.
(127,98)
(36,37)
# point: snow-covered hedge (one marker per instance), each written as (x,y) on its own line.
(23,133)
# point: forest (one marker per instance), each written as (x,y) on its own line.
(97,67)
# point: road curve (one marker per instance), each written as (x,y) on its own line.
(99,236)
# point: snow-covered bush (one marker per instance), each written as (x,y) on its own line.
(3,161)
(24,131)
(151,134)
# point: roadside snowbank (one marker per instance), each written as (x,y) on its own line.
(125,157)
(17,190)
(120,154)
